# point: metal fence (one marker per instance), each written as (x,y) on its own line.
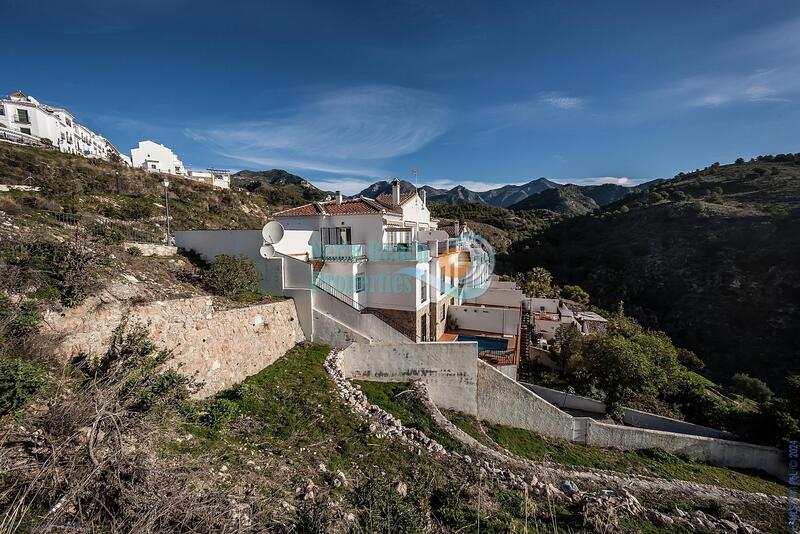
(109,229)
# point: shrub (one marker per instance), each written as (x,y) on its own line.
(134,251)
(110,235)
(575,293)
(233,277)
(750,387)
(20,381)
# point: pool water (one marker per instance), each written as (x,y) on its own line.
(486,343)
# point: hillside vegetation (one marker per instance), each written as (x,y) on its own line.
(77,185)
(709,257)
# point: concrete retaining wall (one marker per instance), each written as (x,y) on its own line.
(631,417)
(448,369)
(503,401)
(715,451)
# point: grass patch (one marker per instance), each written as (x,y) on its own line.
(655,463)
(469,425)
(400,400)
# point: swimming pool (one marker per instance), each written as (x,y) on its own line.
(486,343)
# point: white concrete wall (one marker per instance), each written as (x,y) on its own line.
(498,297)
(503,321)
(362,324)
(715,451)
(503,401)
(165,159)
(635,418)
(447,368)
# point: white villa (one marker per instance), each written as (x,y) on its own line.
(383,256)
(155,157)
(23,119)
(215,177)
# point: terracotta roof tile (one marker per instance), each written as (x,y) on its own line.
(351,206)
(386,199)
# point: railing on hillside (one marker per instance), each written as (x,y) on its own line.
(345,298)
(337,293)
(109,229)
(20,138)
(498,357)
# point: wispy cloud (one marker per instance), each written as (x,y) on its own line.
(561,101)
(710,91)
(336,132)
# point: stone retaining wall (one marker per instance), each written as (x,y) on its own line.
(220,347)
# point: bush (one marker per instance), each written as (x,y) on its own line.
(134,251)
(575,293)
(20,381)
(750,387)
(233,277)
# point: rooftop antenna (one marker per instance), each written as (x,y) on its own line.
(416,177)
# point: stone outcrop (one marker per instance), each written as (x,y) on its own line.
(218,346)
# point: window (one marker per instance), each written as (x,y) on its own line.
(336,235)
(69,122)
(25,130)
(22,116)
(444,313)
(2,110)
(423,287)
(441,285)
(361,282)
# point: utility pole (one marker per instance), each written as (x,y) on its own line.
(166,201)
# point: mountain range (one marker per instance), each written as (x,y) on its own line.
(541,193)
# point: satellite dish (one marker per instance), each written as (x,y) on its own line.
(267,251)
(272,232)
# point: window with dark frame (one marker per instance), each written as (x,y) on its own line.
(22,115)
(441,286)
(361,282)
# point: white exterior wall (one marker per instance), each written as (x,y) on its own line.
(156,154)
(504,321)
(56,125)
(499,297)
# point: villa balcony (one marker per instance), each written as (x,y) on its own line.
(447,247)
(414,251)
(352,252)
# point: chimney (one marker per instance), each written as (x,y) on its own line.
(395,192)
(456,228)
(424,196)
(338,197)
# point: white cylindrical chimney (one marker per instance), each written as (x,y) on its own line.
(395,192)
(424,196)
(338,197)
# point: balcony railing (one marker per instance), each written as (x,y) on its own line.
(450,245)
(413,251)
(351,252)
(498,357)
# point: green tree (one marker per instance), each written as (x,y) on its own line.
(537,282)
(618,367)
(751,387)
(233,277)
(575,293)
(568,342)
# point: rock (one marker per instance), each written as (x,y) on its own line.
(401,489)
(309,496)
(288,507)
(568,487)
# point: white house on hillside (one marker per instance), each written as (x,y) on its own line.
(383,256)
(24,119)
(215,177)
(155,157)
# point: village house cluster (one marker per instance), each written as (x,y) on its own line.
(25,120)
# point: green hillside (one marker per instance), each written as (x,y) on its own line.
(710,257)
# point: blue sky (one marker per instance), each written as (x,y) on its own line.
(477,93)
